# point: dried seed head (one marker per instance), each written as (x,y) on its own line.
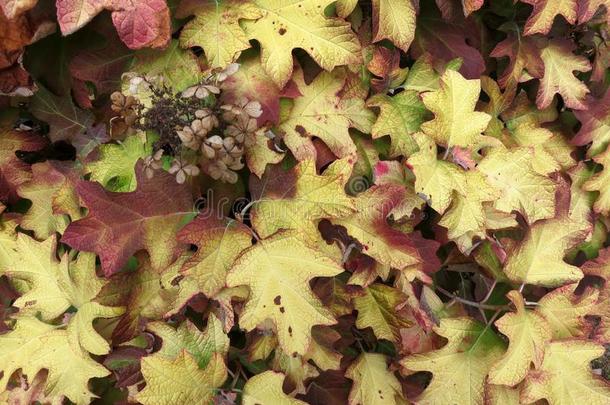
(182,170)
(226,72)
(215,142)
(200,91)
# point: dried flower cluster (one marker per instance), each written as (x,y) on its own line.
(195,128)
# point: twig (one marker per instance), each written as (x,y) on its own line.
(470,303)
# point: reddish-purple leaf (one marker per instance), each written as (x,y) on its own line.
(120,224)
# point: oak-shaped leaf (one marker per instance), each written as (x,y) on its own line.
(446,41)
(178,68)
(566,369)
(119,224)
(49,286)
(600,182)
(455,123)
(266,387)
(461,365)
(113,165)
(296,368)
(102,65)
(14,171)
(599,267)
(388,245)
(219,241)
(559,65)
(524,59)
(529,334)
(186,353)
(278,270)
(202,345)
(566,311)
(522,189)
(298,198)
(145,23)
(539,257)
(66,121)
(222,18)
(595,124)
(33,345)
(399,117)
(378,309)
(163,376)
(462,196)
(394,20)
(54,201)
(325,112)
(544,13)
(385,66)
(374,383)
(285,26)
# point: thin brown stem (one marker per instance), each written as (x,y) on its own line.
(468,302)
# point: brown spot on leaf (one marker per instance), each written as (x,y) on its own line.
(177,280)
(301,130)
(282,310)
(277,300)
(282,31)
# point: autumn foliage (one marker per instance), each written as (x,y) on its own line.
(315,202)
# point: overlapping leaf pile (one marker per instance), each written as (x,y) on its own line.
(374,202)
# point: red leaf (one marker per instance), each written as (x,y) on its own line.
(120,224)
(140,23)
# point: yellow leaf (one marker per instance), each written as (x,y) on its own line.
(219,241)
(8,241)
(565,375)
(288,25)
(601,182)
(266,388)
(200,344)
(521,188)
(49,287)
(323,112)
(394,20)
(53,196)
(528,333)
(565,311)
(33,345)
(458,194)
(180,381)
(399,117)
(545,11)
(455,122)
(278,270)
(373,384)
(538,258)
(216,29)
(377,309)
(501,394)
(559,65)
(298,198)
(459,369)
(34,264)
